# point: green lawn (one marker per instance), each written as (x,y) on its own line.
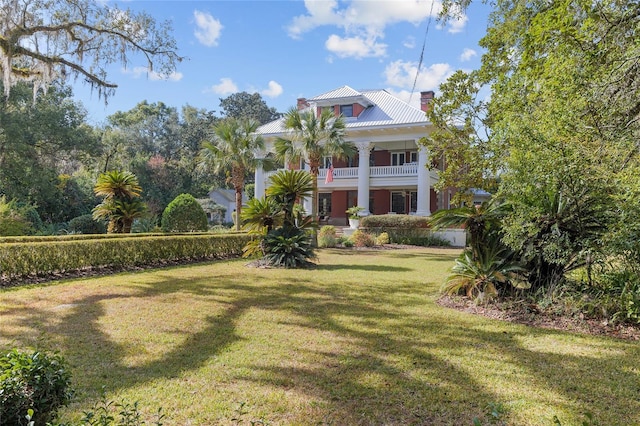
(358,340)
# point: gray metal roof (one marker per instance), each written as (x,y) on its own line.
(385,110)
(342,92)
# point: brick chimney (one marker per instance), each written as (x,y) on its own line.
(425,100)
(302,103)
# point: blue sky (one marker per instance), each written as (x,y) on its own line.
(290,49)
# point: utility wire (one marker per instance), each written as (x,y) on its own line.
(424,44)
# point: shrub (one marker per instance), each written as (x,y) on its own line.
(289,248)
(37,382)
(402,229)
(21,259)
(327,236)
(362,239)
(184,214)
(394,221)
(85,224)
(382,239)
(616,297)
(17,219)
(428,240)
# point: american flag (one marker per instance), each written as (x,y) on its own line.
(329,177)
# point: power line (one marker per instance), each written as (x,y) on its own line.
(424,44)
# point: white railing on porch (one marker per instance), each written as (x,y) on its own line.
(409,169)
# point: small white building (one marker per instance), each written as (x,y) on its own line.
(227,199)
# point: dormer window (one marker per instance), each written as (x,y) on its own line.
(346,110)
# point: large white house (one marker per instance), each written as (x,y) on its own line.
(390,174)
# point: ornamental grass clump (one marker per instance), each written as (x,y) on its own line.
(327,237)
(362,239)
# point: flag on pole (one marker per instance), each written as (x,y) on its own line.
(329,177)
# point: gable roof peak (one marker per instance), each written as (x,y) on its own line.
(341,92)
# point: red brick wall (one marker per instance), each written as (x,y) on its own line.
(381,158)
(339,205)
(381,201)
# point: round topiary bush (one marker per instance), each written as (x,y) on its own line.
(184,214)
(85,224)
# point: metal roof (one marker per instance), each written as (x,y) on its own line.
(385,110)
(342,92)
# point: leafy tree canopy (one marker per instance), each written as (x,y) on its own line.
(248,105)
(42,41)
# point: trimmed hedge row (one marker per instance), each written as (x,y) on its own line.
(19,260)
(395,221)
(401,228)
(75,237)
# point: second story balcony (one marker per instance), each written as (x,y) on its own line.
(379,176)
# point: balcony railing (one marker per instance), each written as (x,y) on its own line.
(408,169)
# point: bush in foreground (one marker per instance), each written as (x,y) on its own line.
(35,383)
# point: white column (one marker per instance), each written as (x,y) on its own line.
(259,189)
(364,151)
(306,202)
(424,182)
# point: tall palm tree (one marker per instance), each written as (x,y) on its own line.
(312,137)
(233,149)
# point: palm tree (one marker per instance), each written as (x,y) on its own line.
(120,191)
(479,221)
(117,185)
(233,149)
(311,138)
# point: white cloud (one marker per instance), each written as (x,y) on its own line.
(226,87)
(208,28)
(409,42)
(137,72)
(363,22)
(467,54)
(273,91)
(456,25)
(402,74)
(355,47)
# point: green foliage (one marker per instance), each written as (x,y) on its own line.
(121,205)
(386,221)
(111,413)
(481,275)
(401,229)
(360,238)
(382,239)
(289,248)
(16,219)
(36,381)
(248,105)
(233,151)
(280,222)
(184,214)
(311,137)
(146,224)
(327,236)
(614,297)
(261,213)
(86,224)
(22,259)
(354,212)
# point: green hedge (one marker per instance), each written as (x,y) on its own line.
(401,228)
(18,260)
(403,221)
(75,237)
